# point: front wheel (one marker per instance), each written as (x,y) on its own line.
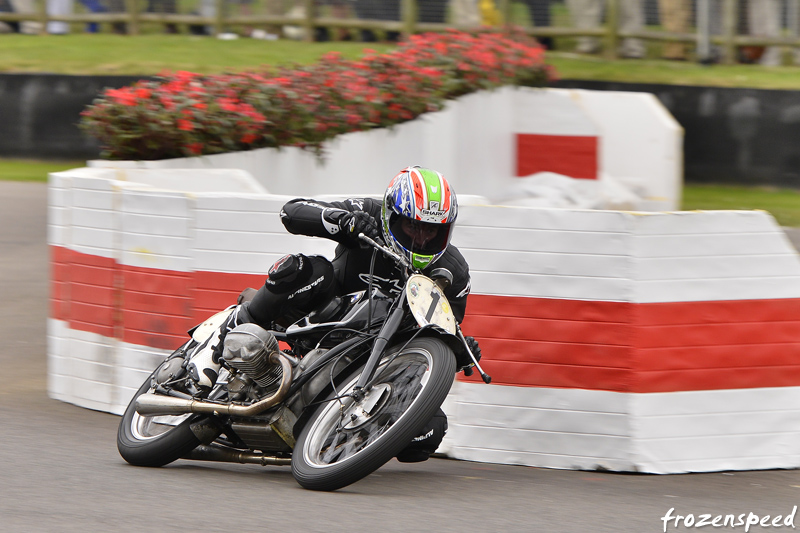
(348,439)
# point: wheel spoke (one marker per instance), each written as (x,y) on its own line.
(344,431)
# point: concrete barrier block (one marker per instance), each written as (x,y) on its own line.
(474,142)
(704,222)
(544,219)
(195,181)
(505,261)
(551,112)
(483,135)
(637,131)
(256,221)
(716,267)
(699,245)
(542,241)
(581,314)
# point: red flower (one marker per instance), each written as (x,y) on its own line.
(307,106)
(123,96)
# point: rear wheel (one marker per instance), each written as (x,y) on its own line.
(348,439)
(155,440)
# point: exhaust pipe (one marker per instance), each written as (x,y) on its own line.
(157,405)
(222,455)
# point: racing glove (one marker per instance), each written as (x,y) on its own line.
(476,351)
(356,222)
(474,348)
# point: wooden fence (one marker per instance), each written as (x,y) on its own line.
(134,16)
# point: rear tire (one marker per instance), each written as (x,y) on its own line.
(154,440)
(346,440)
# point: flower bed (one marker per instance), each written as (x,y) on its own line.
(186,114)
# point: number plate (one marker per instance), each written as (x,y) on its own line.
(428,303)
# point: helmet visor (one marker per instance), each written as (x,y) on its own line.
(419,237)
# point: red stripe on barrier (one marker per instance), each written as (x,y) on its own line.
(156,306)
(574,156)
(533,342)
(217,290)
(626,347)
(82,290)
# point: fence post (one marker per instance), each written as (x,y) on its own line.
(219,16)
(504,6)
(612,29)
(792,13)
(408,13)
(41,8)
(729,31)
(132,8)
(308,23)
(704,31)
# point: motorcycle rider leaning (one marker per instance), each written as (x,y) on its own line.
(418,212)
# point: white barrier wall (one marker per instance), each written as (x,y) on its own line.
(627,341)
(665,342)
(483,143)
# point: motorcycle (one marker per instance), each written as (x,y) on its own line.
(362,377)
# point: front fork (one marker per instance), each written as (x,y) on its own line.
(388,330)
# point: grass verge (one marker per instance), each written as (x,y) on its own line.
(783,204)
(28,170)
(147,55)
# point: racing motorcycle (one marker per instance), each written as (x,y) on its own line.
(362,376)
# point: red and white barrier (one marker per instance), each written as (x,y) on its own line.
(647,342)
(654,342)
(483,143)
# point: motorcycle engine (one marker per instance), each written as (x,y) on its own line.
(247,348)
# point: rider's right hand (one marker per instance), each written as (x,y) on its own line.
(356,222)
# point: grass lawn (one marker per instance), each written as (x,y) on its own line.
(579,67)
(783,204)
(81,53)
(96,53)
(26,170)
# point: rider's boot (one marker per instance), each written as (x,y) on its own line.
(423,446)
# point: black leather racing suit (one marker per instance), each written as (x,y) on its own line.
(351,264)
(297,284)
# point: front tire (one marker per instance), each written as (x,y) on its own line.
(346,440)
(154,440)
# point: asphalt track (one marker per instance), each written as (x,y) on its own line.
(60,471)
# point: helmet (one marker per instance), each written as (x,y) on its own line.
(419,211)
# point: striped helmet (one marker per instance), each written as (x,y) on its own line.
(419,211)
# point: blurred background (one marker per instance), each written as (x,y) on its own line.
(746,31)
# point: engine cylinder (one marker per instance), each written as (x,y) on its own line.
(247,348)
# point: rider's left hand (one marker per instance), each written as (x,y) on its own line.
(474,348)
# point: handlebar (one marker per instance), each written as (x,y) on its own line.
(388,252)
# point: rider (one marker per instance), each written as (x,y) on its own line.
(417,214)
